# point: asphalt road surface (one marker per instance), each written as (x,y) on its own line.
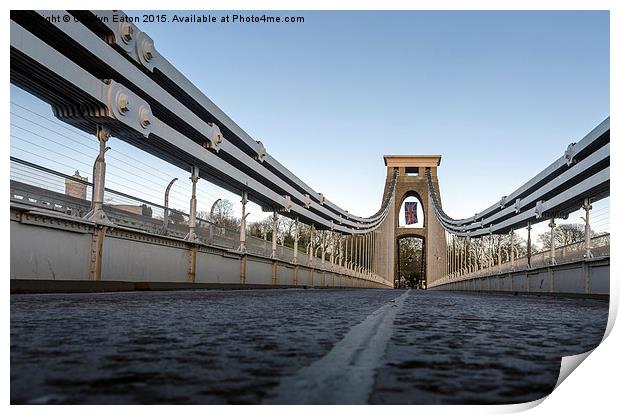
(294,346)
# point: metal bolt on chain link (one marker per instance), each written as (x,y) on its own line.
(145,117)
(147,49)
(122,102)
(126,32)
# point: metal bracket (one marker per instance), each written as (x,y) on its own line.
(288,204)
(129,108)
(569,154)
(99,217)
(502,201)
(539,209)
(262,152)
(215,137)
(129,37)
(191,238)
(121,105)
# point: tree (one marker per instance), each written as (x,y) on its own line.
(564,234)
(285,233)
(261,229)
(411,261)
(485,251)
(223,214)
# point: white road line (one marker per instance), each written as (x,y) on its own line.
(346,374)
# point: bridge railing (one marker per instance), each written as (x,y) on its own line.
(576,251)
(573,252)
(147,216)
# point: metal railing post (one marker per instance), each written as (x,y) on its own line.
(311,245)
(529,245)
(445,258)
(363,249)
(322,247)
(467,256)
(499,251)
(354,248)
(512,249)
(492,257)
(552,240)
(587,206)
(460,255)
(274,233)
(346,252)
(296,240)
(191,235)
(453,267)
(373,242)
(362,252)
(360,248)
(97,214)
(358,252)
(367,252)
(449,255)
(242,224)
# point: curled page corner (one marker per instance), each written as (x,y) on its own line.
(570,363)
(521,407)
(567,366)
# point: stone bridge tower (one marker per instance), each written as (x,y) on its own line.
(412,181)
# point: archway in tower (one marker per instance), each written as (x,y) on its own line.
(411,263)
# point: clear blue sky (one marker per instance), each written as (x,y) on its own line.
(498,94)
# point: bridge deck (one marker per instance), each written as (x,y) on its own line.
(249,346)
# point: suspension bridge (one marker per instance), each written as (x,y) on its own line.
(104,77)
(107,79)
